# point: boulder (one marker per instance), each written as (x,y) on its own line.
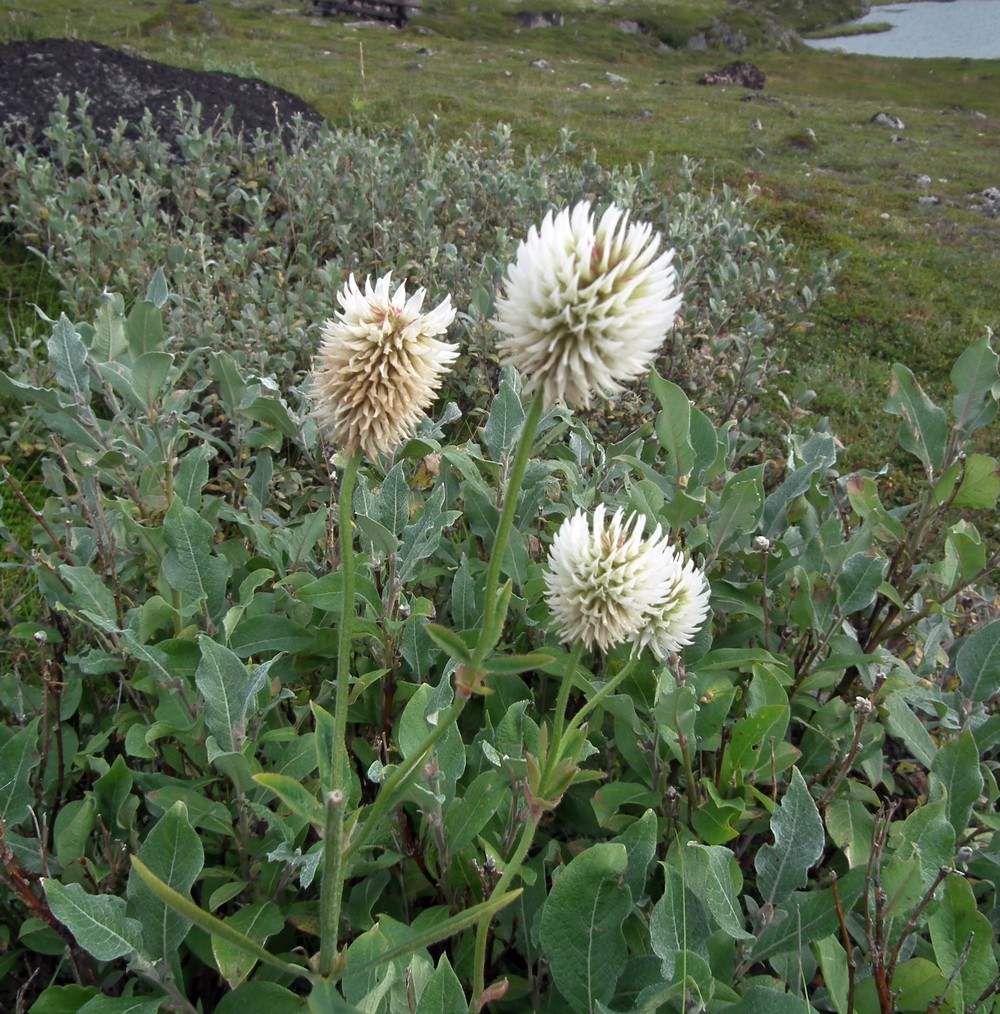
(888,120)
(739,73)
(547,19)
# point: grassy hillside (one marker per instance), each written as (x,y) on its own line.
(918,279)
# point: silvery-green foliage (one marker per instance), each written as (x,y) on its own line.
(255,238)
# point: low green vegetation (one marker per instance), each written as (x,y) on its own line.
(287,729)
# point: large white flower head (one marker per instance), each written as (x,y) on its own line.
(603,581)
(379,365)
(676,621)
(586,307)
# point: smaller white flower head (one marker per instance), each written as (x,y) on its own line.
(379,365)
(586,307)
(602,581)
(676,621)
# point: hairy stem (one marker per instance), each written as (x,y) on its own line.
(332,890)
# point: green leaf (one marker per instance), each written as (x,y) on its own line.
(263,996)
(764,1000)
(678,922)
(90,595)
(232,386)
(173,851)
(905,725)
(273,412)
(673,428)
(958,924)
(377,534)
(859,581)
(465,604)
(120,1005)
(295,796)
(448,641)
(443,993)
(977,386)
(144,329)
(68,358)
(98,921)
(466,815)
(740,507)
(850,825)
(928,835)
(228,690)
(19,756)
(258,921)
(192,475)
(158,292)
(640,840)
(924,429)
(956,770)
(581,927)
(833,966)
(806,916)
(111,791)
(712,873)
(149,372)
(980,483)
(326,735)
(190,566)
(512,664)
(504,421)
(977,663)
(916,985)
(62,999)
(798,842)
(258,635)
(393,501)
(421,539)
(814,457)
(109,340)
(750,742)
(210,924)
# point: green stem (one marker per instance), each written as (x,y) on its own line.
(612,684)
(555,754)
(386,797)
(388,792)
(332,888)
(511,870)
(510,498)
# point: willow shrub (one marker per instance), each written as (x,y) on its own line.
(800,812)
(256,237)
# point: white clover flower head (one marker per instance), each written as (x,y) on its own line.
(606,585)
(379,365)
(602,580)
(585,307)
(681,613)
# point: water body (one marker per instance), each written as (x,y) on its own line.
(964,28)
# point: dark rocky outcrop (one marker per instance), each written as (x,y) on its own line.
(118,86)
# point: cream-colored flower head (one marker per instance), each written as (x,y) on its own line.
(379,365)
(607,585)
(586,307)
(676,621)
(602,581)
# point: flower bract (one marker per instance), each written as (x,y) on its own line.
(586,306)
(379,365)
